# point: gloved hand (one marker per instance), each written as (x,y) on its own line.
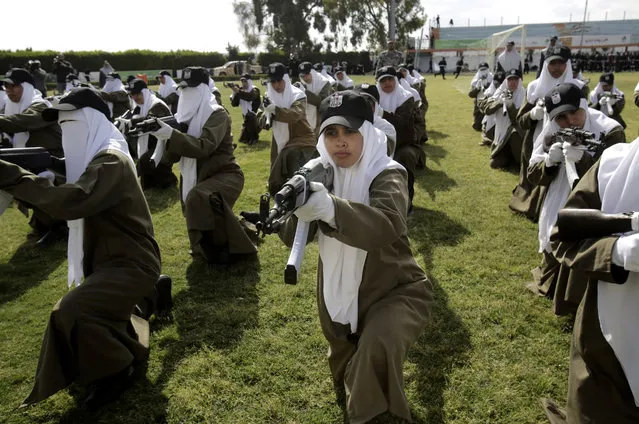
(270,109)
(603,100)
(165,131)
(555,154)
(612,100)
(48,175)
(318,207)
(506,100)
(625,252)
(537,112)
(123,124)
(573,153)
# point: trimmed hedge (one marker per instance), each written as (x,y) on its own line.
(148,59)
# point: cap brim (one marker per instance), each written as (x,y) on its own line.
(345,121)
(556,57)
(51,114)
(8,81)
(379,78)
(561,109)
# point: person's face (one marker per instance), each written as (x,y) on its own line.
(391,45)
(387,84)
(278,86)
(606,86)
(509,47)
(14,91)
(344,145)
(575,119)
(339,76)
(162,79)
(513,83)
(556,68)
(138,98)
(244,83)
(308,78)
(553,41)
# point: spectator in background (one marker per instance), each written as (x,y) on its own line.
(61,68)
(545,53)
(169,93)
(451,23)
(437,20)
(39,76)
(459,65)
(105,70)
(509,59)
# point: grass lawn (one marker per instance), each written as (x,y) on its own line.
(243,347)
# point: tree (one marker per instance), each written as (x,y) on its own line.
(247,20)
(233,52)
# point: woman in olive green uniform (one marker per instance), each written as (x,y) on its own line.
(92,336)
(211,179)
(373,298)
(116,96)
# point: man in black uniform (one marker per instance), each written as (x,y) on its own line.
(459,65)
(442,68)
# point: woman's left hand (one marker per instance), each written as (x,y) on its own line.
(319,206)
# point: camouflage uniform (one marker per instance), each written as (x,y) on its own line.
(390,58)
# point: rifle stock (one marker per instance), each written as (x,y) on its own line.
(33,159)
(579,224)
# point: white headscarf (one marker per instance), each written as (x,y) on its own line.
(86,133)
(598,124)
(482,73)
(594,95)
(29,96)
(111,86)
(327,76)
(3,100)
(149,101)
(618,179)
(546,82)
(195,106)
(168,87)
(106,69)
(510,60)
(346,81)
(246,105)
(212,86)
(406,84)
(386,127)
(318,82)
(283,100)
(417,75)
(390,102)
(502,121)
(489,120)
(343,265)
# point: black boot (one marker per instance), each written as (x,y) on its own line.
(164,302)
(108,389)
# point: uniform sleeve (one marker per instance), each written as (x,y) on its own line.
(213,132)
(492,105)
(636,98)
(96,190)
(159,111)
(617,135)
(593,255)
(115,97)
(404,122)
(29,120)
(541,174)
(295,113)
(370,227)
(523,116)
(243,95)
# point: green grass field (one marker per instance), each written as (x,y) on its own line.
(243,347)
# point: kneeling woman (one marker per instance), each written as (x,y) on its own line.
(373,298)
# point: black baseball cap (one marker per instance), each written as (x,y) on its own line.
(245,76)
(72,77)
(564,97)
(607,78)
(347,108)
(318,67)
(483,66)
(305,68)
(410,67)
(192,76)
(513,73)
(276,71)
(558,53)
(114,75)
(370,89)
(163,74)
(510,43)
(136,85)
(77,99)
(385,71)
(17,76)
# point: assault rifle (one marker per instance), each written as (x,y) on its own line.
(576,137)
(230,85)
(506,95)
(293,194)
(579,224)
(33,159)
(146,126)
(265,102)
(606,96)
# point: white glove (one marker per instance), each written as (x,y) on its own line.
(506,100)
(555,155)
(537,112)
(573,153)
(123,124)
(625,252)
(270,109)
(48,175)
(612,100)
(635,221)
(603,100)
(318,207)
(165,131)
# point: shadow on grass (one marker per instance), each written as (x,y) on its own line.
(160,199)
(212,312)
(260,145)
(434,153)
(29,265)
(436,135)
(445,342)
(432,181)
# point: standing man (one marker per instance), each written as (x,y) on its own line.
(61,68)
(442,67)
(546,52)
(509,59)
(390,57)
(39,76)
(459,65)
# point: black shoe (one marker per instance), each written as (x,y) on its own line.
(252,217)
(108,389)
(411,210)
(164,302)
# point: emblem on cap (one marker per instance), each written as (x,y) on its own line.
(273,68)
(336,100)
(8,75)
(555,97)
(365,86)
(186,74)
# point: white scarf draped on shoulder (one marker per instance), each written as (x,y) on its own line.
(246,105)
(618,179)
(195,106)
(343,265)
(29,96)
(283,100)
(88,134)
(559,189)
(150,100)
(318,82)
(502,121)
(168,87)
